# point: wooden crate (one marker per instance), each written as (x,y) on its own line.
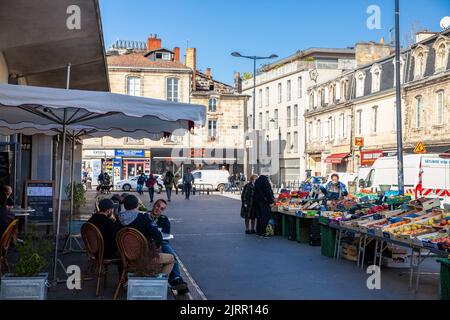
(349,251)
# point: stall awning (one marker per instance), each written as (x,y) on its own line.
(336,157)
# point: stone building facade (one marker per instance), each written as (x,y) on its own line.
(369,113)
(281,100)
(149,70)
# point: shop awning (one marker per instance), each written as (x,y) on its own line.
(336,157)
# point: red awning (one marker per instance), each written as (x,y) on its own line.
(336,158)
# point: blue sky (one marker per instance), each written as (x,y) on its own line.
(259,27)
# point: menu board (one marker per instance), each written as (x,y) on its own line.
(39,195)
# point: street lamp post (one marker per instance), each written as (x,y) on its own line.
(401,186)
(254,58)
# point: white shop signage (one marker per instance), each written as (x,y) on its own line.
(98,153)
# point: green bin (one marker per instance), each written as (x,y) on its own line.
(445,279)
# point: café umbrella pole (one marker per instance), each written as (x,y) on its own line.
(60,192)
(56,261)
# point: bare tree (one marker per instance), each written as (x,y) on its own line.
(409,37)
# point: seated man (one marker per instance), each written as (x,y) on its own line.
(104,221)
(132,218)
(162,222)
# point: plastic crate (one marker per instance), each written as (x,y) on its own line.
(445,279)
(328,241)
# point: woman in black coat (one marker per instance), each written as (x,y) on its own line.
(248,211)
(263,199)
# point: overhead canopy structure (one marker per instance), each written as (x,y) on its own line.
(40,38)
(119,115)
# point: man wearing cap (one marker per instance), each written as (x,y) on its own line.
(104,221)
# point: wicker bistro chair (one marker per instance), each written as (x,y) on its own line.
(8,235)
(95,248)
(133,247)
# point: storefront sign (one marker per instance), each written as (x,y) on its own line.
(197,153)
(117,165)
(98,153)
(369,157)
(129,153)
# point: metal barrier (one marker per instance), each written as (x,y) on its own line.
(201,188)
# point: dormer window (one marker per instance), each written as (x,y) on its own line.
(420,55)
(376,77)
(162,56)
(360,77)
(402,68)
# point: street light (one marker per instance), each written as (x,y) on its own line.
(401,185)
(254,58)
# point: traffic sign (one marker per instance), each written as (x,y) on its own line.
(420,148)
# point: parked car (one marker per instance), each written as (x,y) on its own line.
(130,184)
(217,179)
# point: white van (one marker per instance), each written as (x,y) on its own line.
(217,179)
(344,177)
(435,175)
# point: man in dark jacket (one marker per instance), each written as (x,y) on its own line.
(132,218)
(188,180)
(163,223)
(104,221)
(263,199)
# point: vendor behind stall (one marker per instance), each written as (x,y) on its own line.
(334,190)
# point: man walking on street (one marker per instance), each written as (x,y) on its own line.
(140,183)
(150,183)
(168,183)
(188,180)
(263,199)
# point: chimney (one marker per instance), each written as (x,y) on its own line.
(208,73)
(423,35)
(153,43)
(237,83)
(191,63)
(176,56)
(367,52)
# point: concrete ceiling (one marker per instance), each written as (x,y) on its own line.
(38,45)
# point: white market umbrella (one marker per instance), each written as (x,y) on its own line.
(44,110)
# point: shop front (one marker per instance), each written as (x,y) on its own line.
(94,161)
(338,162)
(177,160)
(368,157)
(132,162)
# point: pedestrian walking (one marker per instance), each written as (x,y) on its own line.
(168,183)
(248,211)
(175,182)
(263,199)
(188,180)
(150,184)
(140,183)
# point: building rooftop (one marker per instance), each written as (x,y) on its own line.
(137,60)
(310,52)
